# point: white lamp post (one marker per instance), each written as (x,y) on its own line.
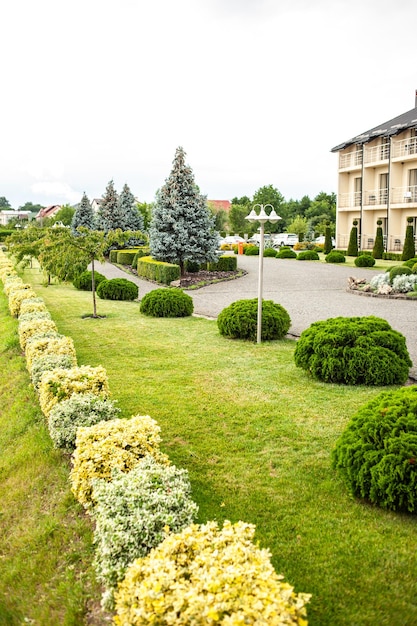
(261,218)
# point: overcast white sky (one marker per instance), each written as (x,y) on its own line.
(257,92)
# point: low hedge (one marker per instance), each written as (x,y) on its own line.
(167,303)
(158,271)
(225,263)
(240,320)
(117,289)
(125,257)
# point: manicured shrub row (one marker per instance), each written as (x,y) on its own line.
(158,271)
(117,289)
(167,303)
(139,501)
(354,351)
(225,263)
(240,320)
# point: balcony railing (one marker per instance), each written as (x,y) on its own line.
(378,197)
(351,159)
(404,195)
(405,148)
(374,154)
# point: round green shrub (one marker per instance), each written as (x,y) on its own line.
(414,268)
(397,270)
(410,263)
(80,409)
(377,453)
(270,252)
(83,281)
(286,252)
(364,260)
(354,351)
(240,319)
(117,289)
(335,257)
(167,303)
(308,255)
(252,251)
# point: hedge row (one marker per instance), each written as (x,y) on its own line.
(158,271)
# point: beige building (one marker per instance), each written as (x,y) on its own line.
(378,180)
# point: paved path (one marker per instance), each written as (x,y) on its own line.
(309,291)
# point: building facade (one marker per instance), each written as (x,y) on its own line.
(377,180)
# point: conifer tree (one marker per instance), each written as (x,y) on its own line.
(108,217)
(353,240)
(327,239)
(378,248)
(409,250)
(182,227)
(83,216)
(132,219)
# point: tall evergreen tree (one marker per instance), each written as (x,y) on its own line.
(182,227)
(409,250)
(108,217)
(353,240)
(132,219)
(84,215)
(378,249)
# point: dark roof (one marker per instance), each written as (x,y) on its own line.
(387,129)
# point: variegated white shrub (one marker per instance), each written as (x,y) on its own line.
(35,327)
(206,575)
(119,443)
(379,280)
(12,282)
(38,346)
(135,512)
(16,298)
(31,305)
(49,362)
(404,283)
(34,315)
(59,384)
(80,409)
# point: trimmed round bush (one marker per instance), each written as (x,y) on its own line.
(252,251)
(133,513)
(270,252)
(240,320)
(377,453)
(208,576)
(117,289)
(397,270)
(80,409)
(285,252)
(410,263)
(364,260)
(308,255)
(83,281)
(335,257)
(167,303)
(354,351)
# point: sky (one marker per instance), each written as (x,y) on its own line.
(257,92)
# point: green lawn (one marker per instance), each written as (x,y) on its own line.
(255,434)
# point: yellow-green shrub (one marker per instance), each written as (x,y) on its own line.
(41,346)
(118,443)
(34,327)
(59,384)
(12,282)
(204,576)
(31,305)
(16,298)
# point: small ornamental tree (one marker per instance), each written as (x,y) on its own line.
(182,227)
(131,218)
(378,248)
(353,240)
(409,250)
(108,217)
(83,216)
(328,246)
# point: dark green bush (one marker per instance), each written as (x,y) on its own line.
(335,257)
(252,251)
(192,266)
(117,289)
(410,263)
(285,252)
(378,249)
(377,453)
(113,256)
(397,270)
(409,249)
(83,281)
(240,320)
(167,303)
(308,255)
(225,263)
(391,256)
(354,351)
(414,269)
(270,252)
(353,240)
(365,260)
(158,271)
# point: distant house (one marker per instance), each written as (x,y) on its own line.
(48,211)
(220,205)
(377,174)
(96,204)
(7,215)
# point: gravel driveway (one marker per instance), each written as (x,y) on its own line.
(308,290)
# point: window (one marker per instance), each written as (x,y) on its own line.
(358,190)
(412,185)
(383,188)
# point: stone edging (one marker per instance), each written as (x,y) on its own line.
(386,296)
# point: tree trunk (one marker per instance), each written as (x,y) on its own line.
(93,288)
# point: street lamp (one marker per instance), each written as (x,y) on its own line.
(262,218)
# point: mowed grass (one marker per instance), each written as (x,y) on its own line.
(255,434)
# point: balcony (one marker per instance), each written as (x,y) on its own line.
(404,195)
(405,149)
(350,160)
(376,154)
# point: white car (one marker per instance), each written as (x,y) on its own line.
(233,239)
(285,239)
(322,239)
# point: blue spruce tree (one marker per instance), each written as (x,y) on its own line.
(109,217)
(83,216)
(132,218)
(182,227)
